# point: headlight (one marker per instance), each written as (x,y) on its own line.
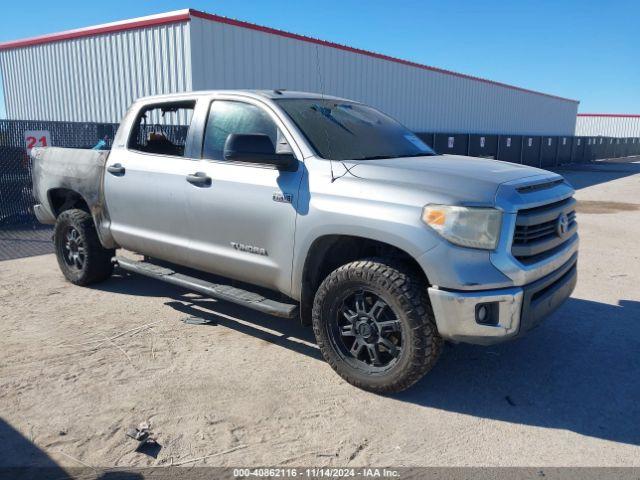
(466,226)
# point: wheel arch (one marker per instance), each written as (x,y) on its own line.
(329,252)
(61,199)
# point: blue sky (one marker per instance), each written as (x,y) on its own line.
(578,49)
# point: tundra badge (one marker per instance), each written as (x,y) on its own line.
(249,248)
(282,197)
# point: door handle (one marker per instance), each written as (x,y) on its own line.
(116,169)
(199,179)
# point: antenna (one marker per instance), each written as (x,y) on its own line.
(320,80)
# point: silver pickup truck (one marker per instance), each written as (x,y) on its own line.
(321,208)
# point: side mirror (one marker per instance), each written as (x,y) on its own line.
(256,148)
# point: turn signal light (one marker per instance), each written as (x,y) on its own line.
(435,217)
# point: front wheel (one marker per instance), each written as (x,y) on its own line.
(374,325)
(81,257)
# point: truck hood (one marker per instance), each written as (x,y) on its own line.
(451,178)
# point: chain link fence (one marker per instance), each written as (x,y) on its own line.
(21,235)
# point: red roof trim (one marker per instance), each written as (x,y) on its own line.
(98,30)
(185,15)
(614,115)
(295,36)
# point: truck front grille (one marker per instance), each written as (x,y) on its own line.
(541,231)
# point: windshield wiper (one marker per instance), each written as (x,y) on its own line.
(424,154)
(382,157)
(377,157)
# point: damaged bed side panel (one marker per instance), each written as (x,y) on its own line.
(73,170)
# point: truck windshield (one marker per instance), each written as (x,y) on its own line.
(339,130)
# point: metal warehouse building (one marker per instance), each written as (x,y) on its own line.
(608,125)
(92,75)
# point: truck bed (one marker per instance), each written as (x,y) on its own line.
(77,170)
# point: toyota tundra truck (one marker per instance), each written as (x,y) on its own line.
(314,207)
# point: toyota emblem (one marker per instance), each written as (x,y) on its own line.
(562,225)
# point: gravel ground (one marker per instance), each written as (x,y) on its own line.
(78,366)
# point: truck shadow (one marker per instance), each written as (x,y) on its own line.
(578,371)
(283,332)
(288,333)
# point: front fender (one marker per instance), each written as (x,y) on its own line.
(394,224)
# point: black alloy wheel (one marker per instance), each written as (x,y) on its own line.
(367,331)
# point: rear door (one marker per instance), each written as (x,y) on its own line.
(242,223)
(145,182)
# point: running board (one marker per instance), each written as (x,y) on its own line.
(214,290)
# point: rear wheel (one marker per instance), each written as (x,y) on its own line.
(374,325)
(81,257)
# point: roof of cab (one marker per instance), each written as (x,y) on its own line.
(271,94)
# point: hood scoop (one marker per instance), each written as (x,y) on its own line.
(536,187)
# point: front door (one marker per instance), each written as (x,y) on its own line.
(242,223)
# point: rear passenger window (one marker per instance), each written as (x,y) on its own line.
(162,129)
(227,117)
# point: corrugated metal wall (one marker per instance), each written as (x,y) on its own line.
(608,125)
(229,56)
(95,78)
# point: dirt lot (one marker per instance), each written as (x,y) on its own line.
(78,366)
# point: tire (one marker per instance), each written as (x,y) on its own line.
(81,257)
(400,342)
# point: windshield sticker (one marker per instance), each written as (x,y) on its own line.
(416,141)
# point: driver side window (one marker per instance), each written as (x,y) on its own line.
(227,117)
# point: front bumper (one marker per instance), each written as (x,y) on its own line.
(519,308)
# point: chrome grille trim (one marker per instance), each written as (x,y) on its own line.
(536,229)
(511,201)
